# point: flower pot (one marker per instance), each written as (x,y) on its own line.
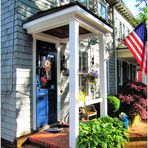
(135,120)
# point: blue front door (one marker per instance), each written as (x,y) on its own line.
(42,107)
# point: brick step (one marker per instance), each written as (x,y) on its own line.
(142,138)
(29,144)
(136,144)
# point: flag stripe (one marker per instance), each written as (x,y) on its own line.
(134,46)
(138,58)
(136,38)
(136,42)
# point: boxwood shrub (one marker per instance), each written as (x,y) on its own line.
(113,104)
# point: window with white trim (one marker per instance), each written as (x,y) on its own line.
(102,10)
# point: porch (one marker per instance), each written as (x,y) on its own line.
(68,24)
(47,139)
(137,133)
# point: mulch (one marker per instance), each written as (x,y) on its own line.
(138,136)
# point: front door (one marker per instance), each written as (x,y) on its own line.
(42,107)
(46,78)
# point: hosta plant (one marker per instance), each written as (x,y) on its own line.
(105,132)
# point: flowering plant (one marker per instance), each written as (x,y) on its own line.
(134,96)
(91,77)
(82,96)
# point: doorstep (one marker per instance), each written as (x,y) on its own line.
(52,140)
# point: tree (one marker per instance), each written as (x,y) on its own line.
(142,16)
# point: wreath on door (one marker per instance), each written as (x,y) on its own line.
(46,64)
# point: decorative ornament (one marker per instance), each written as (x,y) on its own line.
(44,80)
(47,66)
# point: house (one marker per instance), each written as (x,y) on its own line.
(41,69)
(127,68)
(126,65)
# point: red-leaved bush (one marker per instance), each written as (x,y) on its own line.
(134,97)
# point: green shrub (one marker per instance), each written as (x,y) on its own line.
(105,132)
(113,103)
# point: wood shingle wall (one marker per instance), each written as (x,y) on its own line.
(16,55)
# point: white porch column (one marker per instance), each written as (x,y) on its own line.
(34,83)
(103,76)
(58,82)
(73,83)
(121,73)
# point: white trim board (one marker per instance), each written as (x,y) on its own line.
(63,17)
(50,40)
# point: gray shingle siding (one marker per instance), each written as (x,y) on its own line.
(8,100)
(16,60)
(112,79)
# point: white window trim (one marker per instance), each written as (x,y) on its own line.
(102,3)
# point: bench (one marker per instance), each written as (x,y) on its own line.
(87,112)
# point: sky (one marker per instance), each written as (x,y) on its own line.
(131,5)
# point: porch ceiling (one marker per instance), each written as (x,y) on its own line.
(125,55)
(63,31)
(55,22)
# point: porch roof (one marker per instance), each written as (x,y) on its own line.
(69,23)
(55,21)
(124,54)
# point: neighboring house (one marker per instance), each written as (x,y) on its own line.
(127,68)
(35,44)
(126,65)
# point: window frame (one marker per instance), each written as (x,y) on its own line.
(99,10)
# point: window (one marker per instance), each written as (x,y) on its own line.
(126,31)
(123,31)
(83,68)
(84,2)
(103,11)
(83,62)
(120,30)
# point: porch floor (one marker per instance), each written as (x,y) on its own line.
(52,140)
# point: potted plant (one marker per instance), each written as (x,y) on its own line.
(91,77)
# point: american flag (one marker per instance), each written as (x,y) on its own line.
(136,41)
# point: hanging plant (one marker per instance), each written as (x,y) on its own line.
(91,77)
